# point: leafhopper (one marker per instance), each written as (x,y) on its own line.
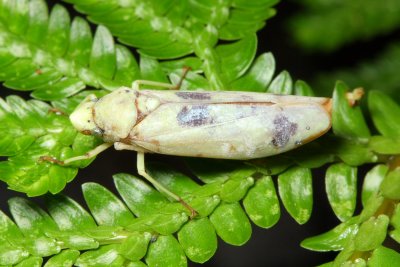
(223,124)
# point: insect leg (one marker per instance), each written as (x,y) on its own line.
(92,153)
(136,84)
(142,171)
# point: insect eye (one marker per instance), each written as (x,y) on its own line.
(98,131)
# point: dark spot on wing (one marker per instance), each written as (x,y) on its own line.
(284,129)
(194,95)
(194,116)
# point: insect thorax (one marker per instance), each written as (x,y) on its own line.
(118,112)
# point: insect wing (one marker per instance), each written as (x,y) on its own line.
(207,97)
(230,130)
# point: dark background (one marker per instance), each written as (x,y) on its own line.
(278,246)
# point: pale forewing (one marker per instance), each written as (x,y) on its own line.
(195,97)
(230,129)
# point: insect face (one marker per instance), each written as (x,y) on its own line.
(110,117)
(82,117)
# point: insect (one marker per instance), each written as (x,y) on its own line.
(227,125)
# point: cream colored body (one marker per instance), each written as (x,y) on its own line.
(229,125)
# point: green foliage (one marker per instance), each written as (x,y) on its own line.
(377,73)
(328,25)
(56,59)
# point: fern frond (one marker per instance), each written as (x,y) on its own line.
(29,130)
(328,25)
(168,30)
(141,226)
(57,58)
(373,74)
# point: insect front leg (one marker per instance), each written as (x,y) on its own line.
(136,84)
(92,153)
(142,171)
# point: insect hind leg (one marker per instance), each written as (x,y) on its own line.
(142,171)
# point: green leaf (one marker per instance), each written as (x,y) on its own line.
(212,170)
(350,152)
(385,113)
(372,182)
(261,203)
(302,88)
(18,11)
(135,246)
(235,190)
(80,42)
(136,264)
(73,240)
(58,31)
(127,67)
(102,57)
(258,76)
(365,240)
(271,165)
(204,205)
(105,207)
(69,105)
(176,182)
(295,190)
(347,121)
(168,223)
(326,26)
(385,145)
(390,186)
(312,155)
(383,256)
(8,230)
(31,262)
(151,70)
(371,207)
(29,217)
(140,198)
(68,214)
(170,66)
(65,258)
(282,84)
(39,133)
(341,187)
(63,88)
(198,240)
(43,247)
(104,256)
(231,223)
(332,240)
(167,252)
(237,57)
(18,69)
(43,77)
(395,219)
(10,255)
